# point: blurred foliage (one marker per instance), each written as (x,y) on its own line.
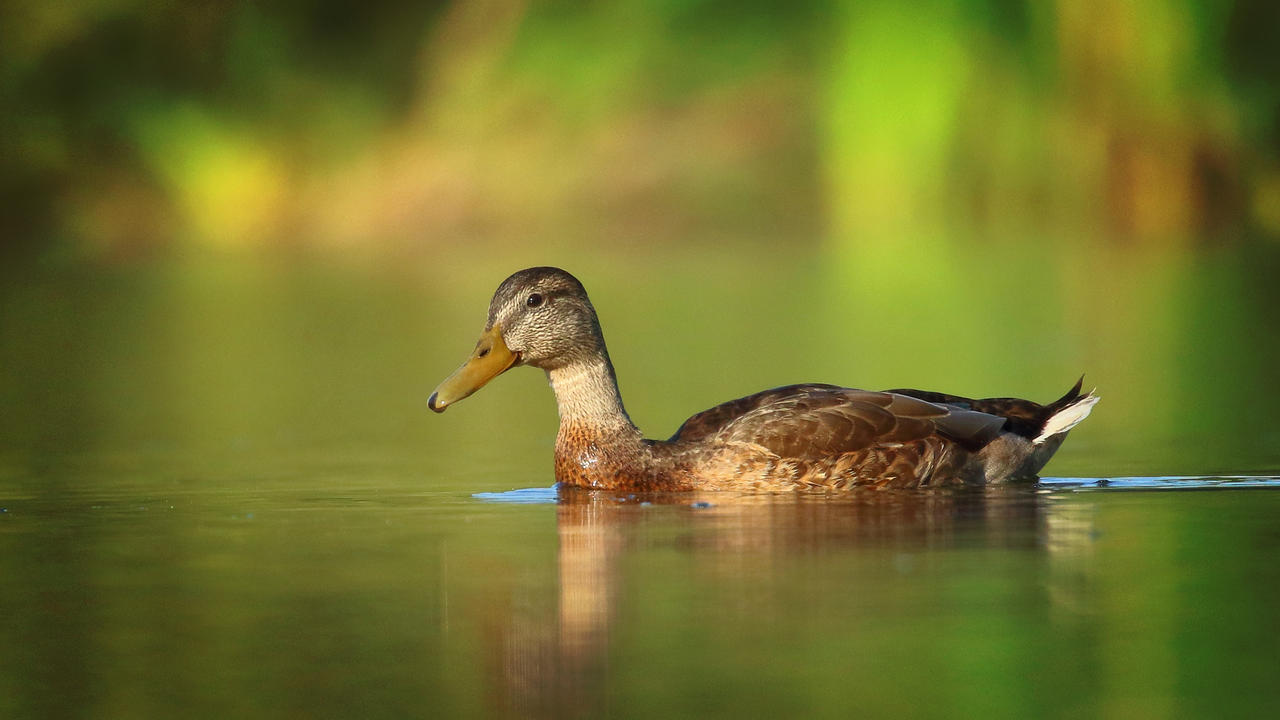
(981,197)
(127,126)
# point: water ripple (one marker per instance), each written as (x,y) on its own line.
(543,495)
(527,496)
(1161,482)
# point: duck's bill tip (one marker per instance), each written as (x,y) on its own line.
(434,403)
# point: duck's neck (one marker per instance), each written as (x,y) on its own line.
(598,446)
(587,395)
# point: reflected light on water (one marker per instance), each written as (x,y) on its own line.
(546,672)
(551,667)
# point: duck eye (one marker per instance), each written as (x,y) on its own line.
(534,300)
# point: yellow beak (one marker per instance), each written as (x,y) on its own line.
(490,359)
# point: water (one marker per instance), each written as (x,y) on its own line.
(332,596)
(221,495)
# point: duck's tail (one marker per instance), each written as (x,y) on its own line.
(1066,412)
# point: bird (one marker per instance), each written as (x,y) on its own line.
(799,437)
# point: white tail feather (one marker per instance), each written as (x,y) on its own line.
(1067,418)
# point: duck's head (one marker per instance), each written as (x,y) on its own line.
(540,317)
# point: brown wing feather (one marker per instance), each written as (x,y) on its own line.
(711,421)
(810,422)
(815,425)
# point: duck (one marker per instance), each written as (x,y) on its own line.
(798,437)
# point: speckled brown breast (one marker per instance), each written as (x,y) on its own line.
(588,457)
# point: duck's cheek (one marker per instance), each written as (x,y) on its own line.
(532,353)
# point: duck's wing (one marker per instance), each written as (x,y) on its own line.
(713,420)
(808,422)
(1024,417)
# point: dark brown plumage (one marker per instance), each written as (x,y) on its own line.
(794,437)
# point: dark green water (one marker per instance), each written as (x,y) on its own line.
(221,495)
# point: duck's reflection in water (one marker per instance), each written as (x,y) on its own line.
(556,662)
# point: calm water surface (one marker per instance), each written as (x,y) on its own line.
(226,507)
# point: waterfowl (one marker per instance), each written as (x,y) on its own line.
(795,437)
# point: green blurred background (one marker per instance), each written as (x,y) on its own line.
(276,225)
